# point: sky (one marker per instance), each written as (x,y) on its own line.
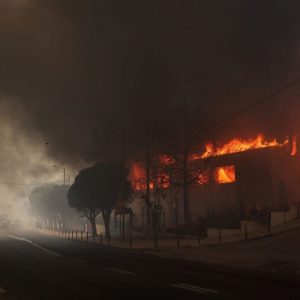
(85,81)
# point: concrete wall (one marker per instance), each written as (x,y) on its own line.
(214,232)
(280,217)
(253,225)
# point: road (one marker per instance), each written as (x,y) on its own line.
(37,266)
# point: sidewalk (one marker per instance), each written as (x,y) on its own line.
(279,253)
(276,252)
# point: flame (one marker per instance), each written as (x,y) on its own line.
(203,179)
(240,145)
(166,159)
(138,177)
(163,181)
(139,182)
(222,174)
(294,146)
(225,174)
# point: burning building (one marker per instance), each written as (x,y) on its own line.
(240,180)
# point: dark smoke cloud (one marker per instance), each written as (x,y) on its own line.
(102,78)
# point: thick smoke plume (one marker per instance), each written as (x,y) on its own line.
(100,79)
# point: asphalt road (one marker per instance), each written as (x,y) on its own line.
(35,266)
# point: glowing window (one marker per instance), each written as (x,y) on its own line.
(225,174)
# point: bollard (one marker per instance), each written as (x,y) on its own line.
(155,240)
(178,239)
(81,235)
(72,235)
(130,241)
(246,233)
(87,236)
(76,235)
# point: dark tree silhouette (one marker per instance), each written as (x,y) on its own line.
(97,189)
(49,204)
(38,199)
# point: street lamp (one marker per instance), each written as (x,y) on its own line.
(64,169)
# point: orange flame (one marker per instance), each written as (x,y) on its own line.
(138,178)
(240,145)
(294,146)
(225,174)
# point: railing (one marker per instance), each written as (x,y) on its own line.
(160,240)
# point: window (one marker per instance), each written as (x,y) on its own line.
(225,174)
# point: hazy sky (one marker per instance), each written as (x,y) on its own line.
(94,79)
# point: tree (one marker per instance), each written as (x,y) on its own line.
(38,203)
(58,205)
(185,170)
(49,204)
(97,189)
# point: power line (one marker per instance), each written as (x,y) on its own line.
(242,111)
(26,184)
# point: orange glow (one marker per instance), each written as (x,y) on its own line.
(240,145)
(138,177)
(203,179)
(138,180)
(163,181)
(161,178)
(225,174)
(166,159)
(294,146)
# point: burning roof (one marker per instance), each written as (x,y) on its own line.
(239,145)
(222,174)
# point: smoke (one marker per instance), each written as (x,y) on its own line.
(25,163)
(100,79)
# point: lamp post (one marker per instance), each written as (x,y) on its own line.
(64,169)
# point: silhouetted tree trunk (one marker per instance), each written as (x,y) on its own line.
(106,218)
(92,218)
(148,179)
(185,186)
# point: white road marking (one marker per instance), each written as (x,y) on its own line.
(119,271)
(194,288)
(34,244)
(2,290)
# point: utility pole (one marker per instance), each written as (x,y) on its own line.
(64,169)
(148,179)
(185,164)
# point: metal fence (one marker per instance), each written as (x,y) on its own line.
(156,239)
